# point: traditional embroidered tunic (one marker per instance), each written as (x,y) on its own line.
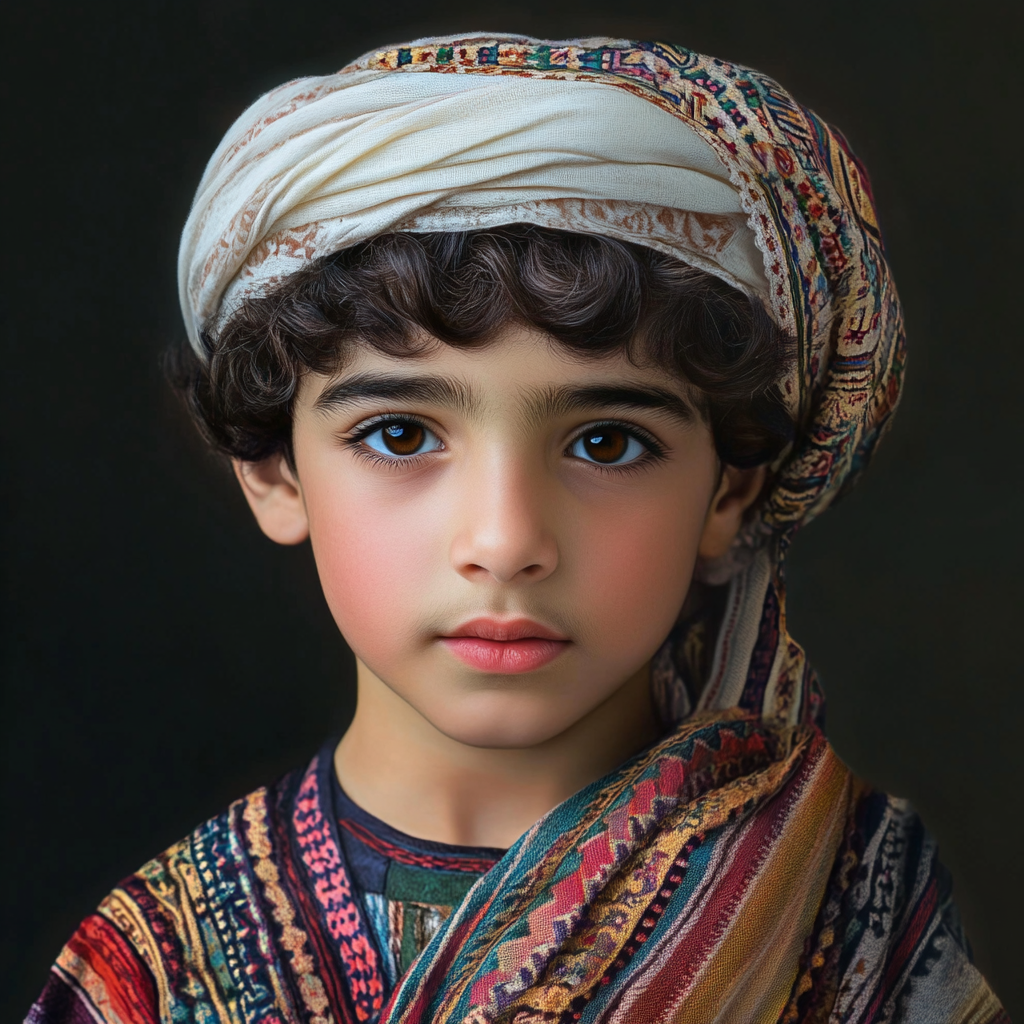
(730,873)
(407,887)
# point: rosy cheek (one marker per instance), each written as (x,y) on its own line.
(372,567)
(636,582)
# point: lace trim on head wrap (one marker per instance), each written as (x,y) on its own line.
(325,163)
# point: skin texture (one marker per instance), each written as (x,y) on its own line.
(503,510)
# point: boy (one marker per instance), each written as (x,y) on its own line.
(547,348)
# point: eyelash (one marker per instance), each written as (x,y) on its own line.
(655,452)
(368,427)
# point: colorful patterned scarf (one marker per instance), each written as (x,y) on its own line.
(735,872)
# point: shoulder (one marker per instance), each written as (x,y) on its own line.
(888,945)
(226,918)
(199,910)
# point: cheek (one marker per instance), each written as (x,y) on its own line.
(373,568)
(636,564)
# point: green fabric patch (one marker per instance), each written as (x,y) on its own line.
(427,885)
(428,896)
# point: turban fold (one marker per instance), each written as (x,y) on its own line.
(321,164)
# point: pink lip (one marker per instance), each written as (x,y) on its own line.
(505,647)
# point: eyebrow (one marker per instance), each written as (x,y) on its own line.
(573,398)
(447,391)
(395,387)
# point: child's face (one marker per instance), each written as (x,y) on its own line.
(560,496)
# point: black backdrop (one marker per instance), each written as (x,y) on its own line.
(161,658)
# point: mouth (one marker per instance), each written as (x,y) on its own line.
(505,647)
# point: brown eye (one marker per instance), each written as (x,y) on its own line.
(608,445)
(401,439)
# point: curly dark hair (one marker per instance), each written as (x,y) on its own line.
(593,294)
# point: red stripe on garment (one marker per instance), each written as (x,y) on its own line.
(128,982)
(418,860)
(677,780)
(726,895)
(923,913)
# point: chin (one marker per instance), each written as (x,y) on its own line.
(502,725)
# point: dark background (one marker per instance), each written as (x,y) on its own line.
(160,657)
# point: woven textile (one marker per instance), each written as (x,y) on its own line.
(734,872)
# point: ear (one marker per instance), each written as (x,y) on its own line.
(737,491)
(275,497)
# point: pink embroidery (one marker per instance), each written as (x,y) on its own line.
(333,891)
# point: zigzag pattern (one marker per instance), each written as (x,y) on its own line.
(322,856)
(582,859)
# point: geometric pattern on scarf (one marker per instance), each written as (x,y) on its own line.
(735,871)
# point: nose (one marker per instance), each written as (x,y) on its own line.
(503,524)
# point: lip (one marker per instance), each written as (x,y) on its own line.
(505,630)
(505,646)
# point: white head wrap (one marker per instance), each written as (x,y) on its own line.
(320,164)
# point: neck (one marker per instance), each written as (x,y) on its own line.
(393,763)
